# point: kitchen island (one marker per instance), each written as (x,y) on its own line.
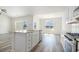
(25,41)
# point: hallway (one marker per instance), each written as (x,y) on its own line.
(49,43)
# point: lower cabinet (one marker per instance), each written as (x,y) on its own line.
(35,38)
(19,42)
(24,42)
(29,41)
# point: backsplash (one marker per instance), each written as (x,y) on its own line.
(75,28)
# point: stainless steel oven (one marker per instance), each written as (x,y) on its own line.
(69,44)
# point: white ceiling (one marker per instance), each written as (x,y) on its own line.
(16,11)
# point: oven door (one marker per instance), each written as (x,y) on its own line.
(67,45)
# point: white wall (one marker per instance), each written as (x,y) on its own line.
(56,16)
(75,28)
(57,26)
(4,24)
(28,19)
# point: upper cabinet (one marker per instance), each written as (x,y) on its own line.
(69,13)
(72,14)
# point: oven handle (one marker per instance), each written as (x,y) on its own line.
(68,38)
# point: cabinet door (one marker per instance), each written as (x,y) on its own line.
(29,40)
(20,42)
(70,12)
(35,38)
(75,12)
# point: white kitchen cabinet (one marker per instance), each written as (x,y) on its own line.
(69,13)
(24,42)
(32,39)
(20,42)
(40,35)
(75,11)
(29,41)
(35,38)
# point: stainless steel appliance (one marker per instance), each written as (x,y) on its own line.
(70,42)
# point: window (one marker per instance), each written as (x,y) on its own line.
(49,24)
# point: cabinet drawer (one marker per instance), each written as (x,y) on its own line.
(28,45)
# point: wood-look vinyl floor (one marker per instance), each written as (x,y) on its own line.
(49,43)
